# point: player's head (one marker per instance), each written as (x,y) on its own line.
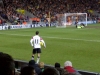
(37,32)
(7,66)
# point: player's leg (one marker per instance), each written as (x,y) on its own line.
(76,25)
(38,55)
(33,53)
(38,58)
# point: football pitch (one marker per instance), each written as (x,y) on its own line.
(80,46)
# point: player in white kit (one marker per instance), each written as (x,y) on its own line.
(35,43)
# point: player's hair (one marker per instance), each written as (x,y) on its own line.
(7,65)
(37,32)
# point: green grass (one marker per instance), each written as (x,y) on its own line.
(81,46)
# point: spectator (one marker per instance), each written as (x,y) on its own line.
(28,70)
(41,65)
(36,67)
(61,70)
(7,65)
(44,8)
(69,68)
(50,71)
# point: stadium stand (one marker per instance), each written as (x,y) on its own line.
(14,10)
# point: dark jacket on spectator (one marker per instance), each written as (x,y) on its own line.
(61,70)
(36,67)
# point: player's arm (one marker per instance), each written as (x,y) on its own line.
(43,43)
(31,42)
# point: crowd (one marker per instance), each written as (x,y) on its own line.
(9,13)
(7,67)
(46,8)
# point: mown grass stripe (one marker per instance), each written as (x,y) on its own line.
(55,37)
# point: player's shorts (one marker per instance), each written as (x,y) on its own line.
(36,50)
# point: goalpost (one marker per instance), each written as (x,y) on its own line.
(69,19)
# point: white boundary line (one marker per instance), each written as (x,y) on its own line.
(55,37)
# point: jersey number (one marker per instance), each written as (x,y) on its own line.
(36,41)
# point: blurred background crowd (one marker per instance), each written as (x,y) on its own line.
(43,9)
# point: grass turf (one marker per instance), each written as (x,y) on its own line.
(81,46)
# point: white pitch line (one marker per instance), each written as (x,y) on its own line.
(55,37)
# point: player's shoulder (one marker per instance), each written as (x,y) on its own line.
(41,38)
